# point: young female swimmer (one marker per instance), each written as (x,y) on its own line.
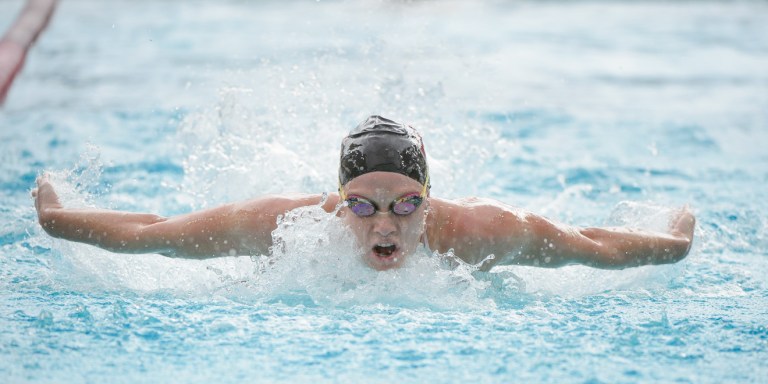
(384,189)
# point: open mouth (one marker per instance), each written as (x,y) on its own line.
(384,249)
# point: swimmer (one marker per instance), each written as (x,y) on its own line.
(384,199)
(19,38)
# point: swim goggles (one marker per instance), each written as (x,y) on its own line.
(402,206)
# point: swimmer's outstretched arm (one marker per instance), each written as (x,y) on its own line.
(234,229)
(482,227)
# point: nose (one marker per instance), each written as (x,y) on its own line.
(384,225)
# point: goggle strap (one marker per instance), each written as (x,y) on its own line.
(426,185)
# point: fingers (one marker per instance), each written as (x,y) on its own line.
(686,215)
(683,223)
(42,179)
(45,195)
(35,191)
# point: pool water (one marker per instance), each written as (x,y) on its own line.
(590,113)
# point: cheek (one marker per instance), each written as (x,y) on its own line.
(413,228)
(355,225)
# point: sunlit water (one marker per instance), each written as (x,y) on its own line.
(605,113)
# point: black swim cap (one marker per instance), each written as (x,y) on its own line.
(380,144)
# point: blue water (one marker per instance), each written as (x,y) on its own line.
(591,113)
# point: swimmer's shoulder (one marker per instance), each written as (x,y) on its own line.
(449,221)
(464,216)
(468,225)
(468,204)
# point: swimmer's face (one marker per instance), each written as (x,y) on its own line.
(387,239)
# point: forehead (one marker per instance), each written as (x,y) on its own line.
(382,185)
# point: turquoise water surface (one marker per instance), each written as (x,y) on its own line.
(590,113)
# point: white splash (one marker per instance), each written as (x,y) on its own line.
(315,254)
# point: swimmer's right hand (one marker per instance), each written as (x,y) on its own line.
(46,199)
(682,225)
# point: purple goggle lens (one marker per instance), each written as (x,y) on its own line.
(402,206)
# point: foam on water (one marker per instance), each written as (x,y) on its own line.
(315,253)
